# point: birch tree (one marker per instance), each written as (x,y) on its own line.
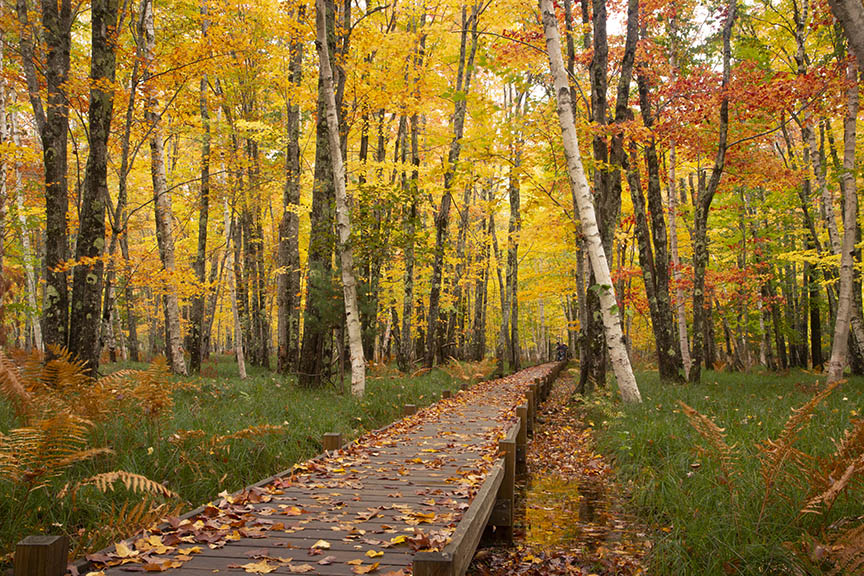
(343,218)
(579,184)
(161,197)
(840,345)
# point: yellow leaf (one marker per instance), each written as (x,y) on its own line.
(322,544)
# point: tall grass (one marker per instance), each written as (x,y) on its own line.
(716,514)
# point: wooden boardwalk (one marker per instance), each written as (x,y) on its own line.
(414,497)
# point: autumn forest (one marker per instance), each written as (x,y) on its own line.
(366,202)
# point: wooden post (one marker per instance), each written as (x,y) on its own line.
(409,409)
(42,556)
(432,564)
(531,396)
(332,441)
(446,394)
(522,440)
(501,520)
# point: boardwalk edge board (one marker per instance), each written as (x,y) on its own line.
(457,555)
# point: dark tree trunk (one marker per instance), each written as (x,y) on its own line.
(52,122)
(322,314)
(703,206)
(442,219)
(87,279)
(197,327)
(289,227)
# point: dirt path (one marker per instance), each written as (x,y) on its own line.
(571,518)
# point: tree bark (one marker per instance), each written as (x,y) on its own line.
(442,219)
(289,227)
(680,310)
(198,324)
(703,204)
(850,14)
(86,310)
(52,121)
(343,218)
(579,184)
(161,199)
(230,235)
(839,347)
(320,316)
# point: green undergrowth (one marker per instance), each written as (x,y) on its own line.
(220,433)
(708,518)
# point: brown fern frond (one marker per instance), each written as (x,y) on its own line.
(781,461)
(846,553)
(13,389)
(837,473)
(714,435)
(134,482)
(181,436)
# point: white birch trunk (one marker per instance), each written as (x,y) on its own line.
(232,294)
(579,184)
(29,271)
(680,312)
(162,198)
(343,218)
(825,192)
(845,302)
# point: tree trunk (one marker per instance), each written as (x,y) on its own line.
(703,204)
(86,310)
(343,218)
(288,281)
(579,184)
(198,324)
(442,220)
(230,235)
(850,14)
(162,199)
(513,231)
(28,256)
(846,300)
(52,122)
(320,315)
(680,310)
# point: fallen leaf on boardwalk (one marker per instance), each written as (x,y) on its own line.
(262,567)
(301,568)
(374,554)
(365,569)
(327,560)
(355,562)
(322,544)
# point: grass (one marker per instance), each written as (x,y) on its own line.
(702,525)
(192,463)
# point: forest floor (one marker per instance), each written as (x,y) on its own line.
(571,517)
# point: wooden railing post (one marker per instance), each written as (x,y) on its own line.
(446,394)
(42,556)
(501,521)
(332,441)
(409,409)
(522,440)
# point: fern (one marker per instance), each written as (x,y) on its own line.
(780,459)
(835,474)
(12,387)
(134,482)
